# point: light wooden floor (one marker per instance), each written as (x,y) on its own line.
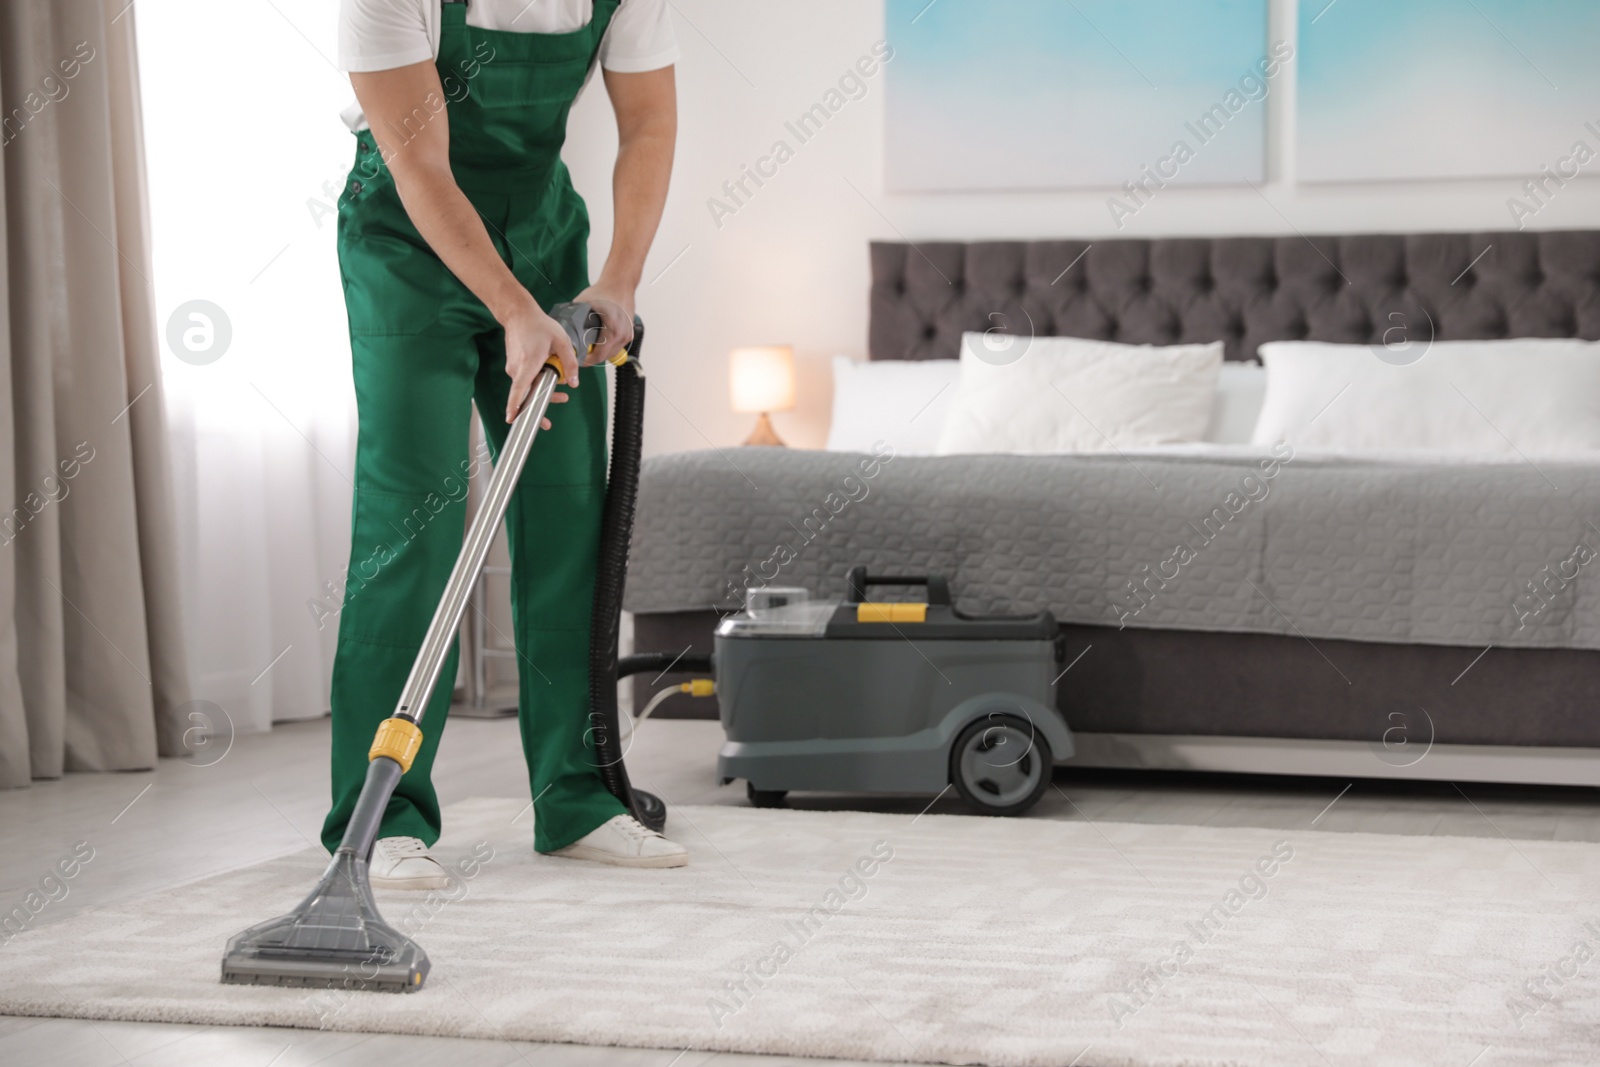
(267,796)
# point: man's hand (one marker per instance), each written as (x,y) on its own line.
(532,337)
(615,307)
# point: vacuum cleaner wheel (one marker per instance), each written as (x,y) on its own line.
(1000,765)
(765,798)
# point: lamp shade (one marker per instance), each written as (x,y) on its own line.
(761,379)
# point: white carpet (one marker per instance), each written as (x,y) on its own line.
(991,941)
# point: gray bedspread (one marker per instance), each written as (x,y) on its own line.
(1379,550)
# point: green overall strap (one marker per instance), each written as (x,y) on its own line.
(509,96)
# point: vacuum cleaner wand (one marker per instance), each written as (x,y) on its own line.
(336,937)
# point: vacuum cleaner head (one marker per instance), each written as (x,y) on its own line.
(334,939)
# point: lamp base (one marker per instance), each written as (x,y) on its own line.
(764,435)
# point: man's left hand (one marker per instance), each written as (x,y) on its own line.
(616,316)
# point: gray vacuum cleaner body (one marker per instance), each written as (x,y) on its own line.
(864,697)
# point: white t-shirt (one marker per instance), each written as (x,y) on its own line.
(384,34)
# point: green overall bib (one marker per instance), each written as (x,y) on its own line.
(423,350)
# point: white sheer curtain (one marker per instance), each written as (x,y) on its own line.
(246,157)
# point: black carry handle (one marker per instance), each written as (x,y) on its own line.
(584,328)
(857,581)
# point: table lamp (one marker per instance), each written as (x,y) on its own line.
(761,380)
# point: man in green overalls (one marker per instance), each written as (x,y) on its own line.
(457,228)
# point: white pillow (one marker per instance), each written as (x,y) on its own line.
(1067,394)
(1523,395)
(1241,389)
(903,402)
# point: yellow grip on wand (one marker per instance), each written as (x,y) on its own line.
(399,739)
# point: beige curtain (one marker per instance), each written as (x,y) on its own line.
(92,668)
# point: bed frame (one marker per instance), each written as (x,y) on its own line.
(1178,699)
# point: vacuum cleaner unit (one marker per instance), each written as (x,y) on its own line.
(876,697)
(335,937)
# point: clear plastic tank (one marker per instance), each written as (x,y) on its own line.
(779,611)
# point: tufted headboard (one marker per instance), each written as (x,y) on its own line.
(1244,291)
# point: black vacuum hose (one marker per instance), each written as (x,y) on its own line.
(662,662)
(616,530)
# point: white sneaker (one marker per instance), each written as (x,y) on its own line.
(404,863)
(624,842)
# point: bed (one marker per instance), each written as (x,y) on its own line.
(1359,622)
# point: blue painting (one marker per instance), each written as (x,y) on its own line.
(1050,94)
(1447,89)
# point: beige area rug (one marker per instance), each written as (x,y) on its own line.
(943,938)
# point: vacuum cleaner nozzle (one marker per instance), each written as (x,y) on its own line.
(334,939)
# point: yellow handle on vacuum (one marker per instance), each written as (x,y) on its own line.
(895,612)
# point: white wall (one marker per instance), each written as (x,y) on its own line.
(791,265)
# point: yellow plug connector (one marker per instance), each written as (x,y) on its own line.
(700,687)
